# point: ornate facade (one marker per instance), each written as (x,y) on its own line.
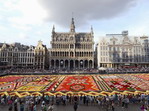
(16,55)
(23,56)
(71,50)
(41,56)
(119,50)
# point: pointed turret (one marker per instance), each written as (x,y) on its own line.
(53,30)
(92,32)
(72,27)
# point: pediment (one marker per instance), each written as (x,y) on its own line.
(126,41)
(113,39)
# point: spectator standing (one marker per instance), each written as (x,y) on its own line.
(126,102)
(142,107)
(34,107)
(21,106)
(15,106)
(51,107)
(75,106)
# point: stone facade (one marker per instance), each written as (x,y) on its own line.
(117,50)
(41,56)
(71,50)
(23,56)
(75,51)
(16,55)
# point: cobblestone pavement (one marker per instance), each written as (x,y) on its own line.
(131,107)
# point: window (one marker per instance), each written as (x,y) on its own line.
(71,46)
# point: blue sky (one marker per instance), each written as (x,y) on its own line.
(28,21)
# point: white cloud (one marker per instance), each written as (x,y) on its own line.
(22,36)
(2,28)
(29,12)
(139,30)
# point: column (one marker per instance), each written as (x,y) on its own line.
(59,66)
(79,64)
(64,64)
(68,64)
(54,64)
(83,64)
(74,65)
(92,64)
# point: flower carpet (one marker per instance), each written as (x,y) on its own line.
(78,83)
(74,83)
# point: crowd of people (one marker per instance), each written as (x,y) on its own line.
(94,71)
(49,103)
(29,70)
(127,69)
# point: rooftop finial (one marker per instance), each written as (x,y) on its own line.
(72,27)
(53,30)
(92,30)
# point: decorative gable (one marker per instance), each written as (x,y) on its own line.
(126,40)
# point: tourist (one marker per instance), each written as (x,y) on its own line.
(145,109)
(148,108)
(64,100)
(3,101)
(148,99)
(21,106)
(9,101)
(112,106)
(123,102)
(34,107)
(84,99)
(126,102)
(26,105)
(43,107)
(142,107)
(10,107)
(75,106)
(15,106)
(87,100)
(51,107)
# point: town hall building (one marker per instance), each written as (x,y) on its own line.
(71,50)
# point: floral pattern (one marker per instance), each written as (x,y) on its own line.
(119,82)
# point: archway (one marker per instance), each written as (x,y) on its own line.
(81,64)
(66,64)
(71,54)
(57,63)
(52,63)
(76,64)
(86,64)
(71,64)
(90,64)
(61,64)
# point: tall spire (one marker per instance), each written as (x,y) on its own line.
(92,30)
(72,26)
(53,30)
